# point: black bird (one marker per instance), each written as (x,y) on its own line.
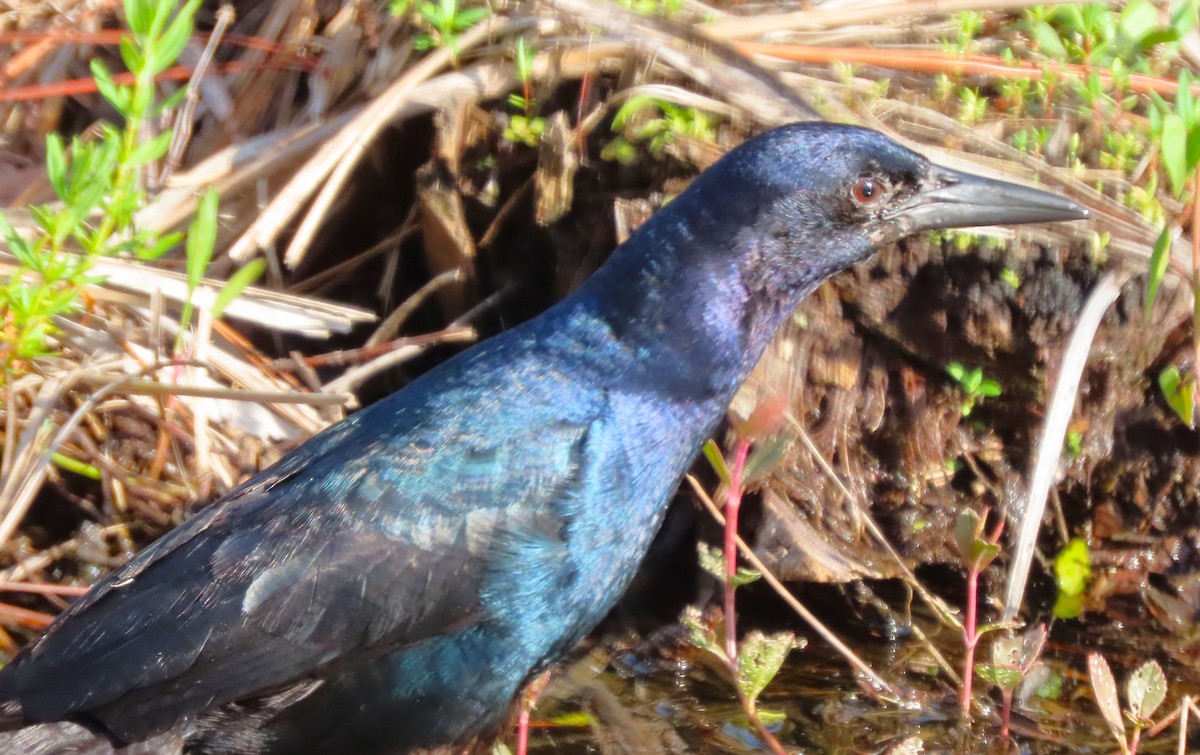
(392,584)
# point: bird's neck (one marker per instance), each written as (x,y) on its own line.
(692,305)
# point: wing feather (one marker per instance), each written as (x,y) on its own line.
(324,557)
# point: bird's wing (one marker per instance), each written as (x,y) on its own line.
(329,554)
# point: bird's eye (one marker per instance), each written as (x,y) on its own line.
(868,190)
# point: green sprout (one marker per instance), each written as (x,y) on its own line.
(974,385)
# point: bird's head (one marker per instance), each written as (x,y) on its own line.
(810,199)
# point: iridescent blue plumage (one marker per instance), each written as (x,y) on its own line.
(394,582)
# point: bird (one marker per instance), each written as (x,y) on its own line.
(392,584)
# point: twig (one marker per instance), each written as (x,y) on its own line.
(40,589)
(183,120)
(872,527)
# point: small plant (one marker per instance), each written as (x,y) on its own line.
(1122,151)
(99,190)
(1011,277)
(974,385)
(972,106)
(976,551)
(756,661)
(524,127)
(664,8)
(673,122)
(969,23)
(445,20)
(1015,658)
(201,241)
(1145,690)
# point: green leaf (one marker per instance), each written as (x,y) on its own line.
(170,103)
(1004,677)
(712,560)
(1137,19)
(19,246)
(469,18)
(716,460)
(632,106)
(1145,690)
(1185,106)
(72,465)
(1048,41)
(770,718)
(760,657)
(162,11)
(139,14)
(968,528)
(579,719)
(175,38)
(1158,267)
(150,150)
(702,634)
(56,165)
(202,237)
(131,54)
(159,247)
(989,388)
(1173,147)
(117,96)
(245,276)
(1178,392)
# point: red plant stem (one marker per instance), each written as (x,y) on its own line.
(1006,713)
(176,73)
(970,640)
(529,699)
(733,502)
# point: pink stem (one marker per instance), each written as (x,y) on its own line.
(529,699)
(970,640)
(733,502)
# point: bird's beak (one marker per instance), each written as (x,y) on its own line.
(953,199)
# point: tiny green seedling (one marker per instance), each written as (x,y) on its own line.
(974,385)
(445,22)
